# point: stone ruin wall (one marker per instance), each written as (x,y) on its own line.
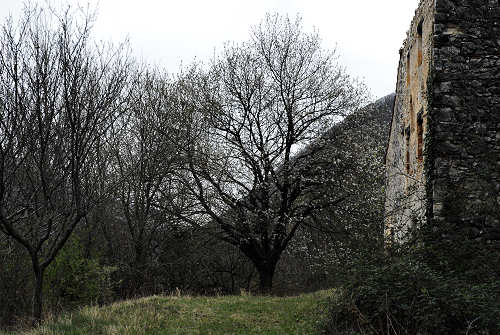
(466,116)
(405,189)
(449,86)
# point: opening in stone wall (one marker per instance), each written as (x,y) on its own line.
(408,70)
(420,135)
(412,111)
(407,150)
(419,43)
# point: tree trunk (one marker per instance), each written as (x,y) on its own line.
(266,274)
(36,313)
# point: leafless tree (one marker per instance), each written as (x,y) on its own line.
(144,157)
(250,116)
(59,95)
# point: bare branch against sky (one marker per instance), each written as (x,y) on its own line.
(368,33)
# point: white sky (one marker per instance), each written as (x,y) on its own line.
(368,33)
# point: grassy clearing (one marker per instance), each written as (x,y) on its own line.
(193,315)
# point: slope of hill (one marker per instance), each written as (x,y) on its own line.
(346,165)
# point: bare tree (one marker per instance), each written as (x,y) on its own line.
(261,103)
(144,158)
(59,94)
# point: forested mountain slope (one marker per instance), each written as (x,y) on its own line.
(347,166)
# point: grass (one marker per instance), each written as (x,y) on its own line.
(193,315)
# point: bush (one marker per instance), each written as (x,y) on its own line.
(15,283)
(73,279)
(422,292)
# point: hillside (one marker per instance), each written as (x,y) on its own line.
(346,165)
(193,315)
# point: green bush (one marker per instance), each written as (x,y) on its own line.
(15,283)
(423,292)
(73,279)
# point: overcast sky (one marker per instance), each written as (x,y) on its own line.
(168,33)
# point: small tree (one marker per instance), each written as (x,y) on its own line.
(251,114)
(58,97)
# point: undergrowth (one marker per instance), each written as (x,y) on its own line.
(450,287)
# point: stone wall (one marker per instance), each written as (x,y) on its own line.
(405,189)
(466,116)
(443,156)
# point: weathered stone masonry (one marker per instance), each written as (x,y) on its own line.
(443,156)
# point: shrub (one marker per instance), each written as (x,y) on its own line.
(73,279)
(418,294)
(15,283)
